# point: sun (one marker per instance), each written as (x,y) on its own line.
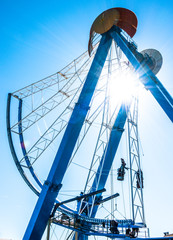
(123,85)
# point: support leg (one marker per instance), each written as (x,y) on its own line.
(147,77)
(52,185)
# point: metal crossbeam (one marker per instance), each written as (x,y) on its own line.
(78,198)
(108,198)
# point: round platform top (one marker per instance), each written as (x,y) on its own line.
(121,17)
(156,59)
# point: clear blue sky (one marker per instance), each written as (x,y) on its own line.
(38,38)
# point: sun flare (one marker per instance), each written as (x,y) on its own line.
(123,86)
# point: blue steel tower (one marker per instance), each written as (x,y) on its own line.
(63,108)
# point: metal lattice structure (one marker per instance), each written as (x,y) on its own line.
(136,174)
(56,118)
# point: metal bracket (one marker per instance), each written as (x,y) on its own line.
(53,187)
(118,129)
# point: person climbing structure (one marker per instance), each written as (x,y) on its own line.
(121,170)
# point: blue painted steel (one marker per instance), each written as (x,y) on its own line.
(110,151)
(16,160)
(22,143)
(150,81)
(51,187)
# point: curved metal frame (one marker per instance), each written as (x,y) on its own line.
(23,145)
(13,152)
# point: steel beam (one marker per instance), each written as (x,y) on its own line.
(147,77)
(52,185)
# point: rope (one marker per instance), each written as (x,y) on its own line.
(123,199)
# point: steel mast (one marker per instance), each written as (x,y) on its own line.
(136,174)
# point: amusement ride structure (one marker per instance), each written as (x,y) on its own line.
(64,132)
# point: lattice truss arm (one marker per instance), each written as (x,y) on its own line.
(135,166)
(38,102)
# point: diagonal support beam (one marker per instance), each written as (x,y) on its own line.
(52,185)
(147,77)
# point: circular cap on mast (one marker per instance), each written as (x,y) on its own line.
(121,17)
(154,59)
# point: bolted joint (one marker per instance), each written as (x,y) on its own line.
(118,129)
(53,187)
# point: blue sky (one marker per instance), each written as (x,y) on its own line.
(38,38)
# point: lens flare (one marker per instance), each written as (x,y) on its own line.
(123,86)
